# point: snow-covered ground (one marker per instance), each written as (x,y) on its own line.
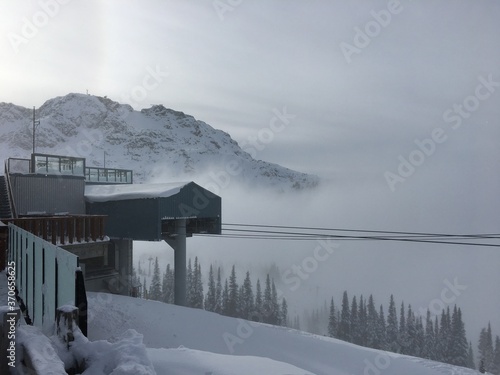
(185,341)
(130,336)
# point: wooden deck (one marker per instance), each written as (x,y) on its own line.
(63,230)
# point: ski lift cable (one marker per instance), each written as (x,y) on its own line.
(357,230)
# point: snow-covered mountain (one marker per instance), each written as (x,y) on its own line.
(159,144)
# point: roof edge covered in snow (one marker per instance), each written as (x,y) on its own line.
(106,193)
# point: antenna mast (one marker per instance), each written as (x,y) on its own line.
(35,125)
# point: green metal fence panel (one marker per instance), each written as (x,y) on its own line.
(45,275)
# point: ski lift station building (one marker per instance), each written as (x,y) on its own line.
(153,212)
(64,190)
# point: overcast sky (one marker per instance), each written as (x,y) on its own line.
(369,87)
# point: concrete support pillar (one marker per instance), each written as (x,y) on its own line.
(178,243)
(120,258)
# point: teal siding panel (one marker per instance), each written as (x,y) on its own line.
(134,218)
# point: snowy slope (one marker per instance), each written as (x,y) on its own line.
(159,144)
(186,341)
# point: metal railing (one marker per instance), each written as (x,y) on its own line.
(12,202)
(108,175)
(57,165)
(18,165)
(71,166)
(63,230)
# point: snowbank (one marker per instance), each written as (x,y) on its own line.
(126,356)
(221,345)
(38,351)
(187,361)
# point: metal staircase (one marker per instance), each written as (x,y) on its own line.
(5,210)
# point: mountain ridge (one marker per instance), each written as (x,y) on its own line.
(158,143)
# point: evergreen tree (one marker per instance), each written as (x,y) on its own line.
(489,357)
(167,289)
(135,284)
(189,283)
(411,333)
(225,299)
(240,303)
(437,335)
(171,280)
(459,348)
(482,370)
(332,321)
(429,339)
(344,332)
(354,326)
(362,329)
(485,348)
(155,287)
(276,314)
(419,341)
(164,286)
(144,289)
(218,294)
(444,338)
(199,287)
(496,356)
(247,298)
(372,339)
(382,330)
(196,291)
(392,327)
(267,304)
(403,341)
(210,300)
(258,302)
(284,313)
(233,297)
(470,357)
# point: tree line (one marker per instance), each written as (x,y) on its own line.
(227,297)
(489,354)
(441,338)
